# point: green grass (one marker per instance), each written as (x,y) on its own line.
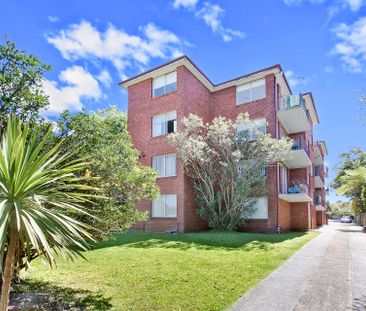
(151,271)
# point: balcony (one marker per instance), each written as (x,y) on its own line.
(298,157)
(319,180)
(292,114)
(297,193)
(318,203)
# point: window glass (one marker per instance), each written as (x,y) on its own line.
(158,207)
(170,205)
(258,90)
(164,124)
(165,84)
(250,91)
(159,165)
(171,165)
(158,125)
(159,86)
(171,82)
(165,206)
(259,124)
(261,209)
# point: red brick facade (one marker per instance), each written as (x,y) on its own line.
(193,96)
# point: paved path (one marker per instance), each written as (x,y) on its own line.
(329,273)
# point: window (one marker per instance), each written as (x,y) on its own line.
(251,167)
(166,165)
(165,84)
(259,125)
(251,91)
(165,206)
(261,209)
(164,124)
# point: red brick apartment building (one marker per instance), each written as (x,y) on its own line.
(159,98)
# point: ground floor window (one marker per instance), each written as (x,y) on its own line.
(165,206)
(261,209)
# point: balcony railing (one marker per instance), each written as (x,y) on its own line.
(297,193)
(291,101)
(299,144)
(317,199)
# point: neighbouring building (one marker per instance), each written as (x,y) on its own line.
(159,98)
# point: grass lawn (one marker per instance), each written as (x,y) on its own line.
(151,271)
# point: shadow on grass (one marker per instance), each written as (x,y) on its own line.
(207,240)
(67,298)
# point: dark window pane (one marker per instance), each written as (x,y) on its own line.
(171,127)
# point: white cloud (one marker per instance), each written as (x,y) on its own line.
(84,41)
(53,19)
(212,15)
(354,5)
(188,4)
(105,78)
(328,69)
(294,80)
(79,84)
(352,44)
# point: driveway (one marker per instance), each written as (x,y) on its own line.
(329,273)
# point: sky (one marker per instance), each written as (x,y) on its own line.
(93,45)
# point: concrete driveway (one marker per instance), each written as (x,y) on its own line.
(329,273)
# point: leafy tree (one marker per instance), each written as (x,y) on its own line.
(103,138)
(227,166)
(340,208)
(21,90)
(351,178)
(353,186)
(37,184)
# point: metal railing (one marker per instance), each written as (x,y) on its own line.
(290,101)
(317,199)
(299,144)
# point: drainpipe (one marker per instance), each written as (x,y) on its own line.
(278,229)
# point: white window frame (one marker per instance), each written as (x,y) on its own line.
(166,120)
(164,196)
(249,86)
(164,76)
(164,157)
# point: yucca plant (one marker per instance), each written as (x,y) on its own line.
(38,184)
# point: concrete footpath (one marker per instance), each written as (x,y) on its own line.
(329,273)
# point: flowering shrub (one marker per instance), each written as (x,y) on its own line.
(227,162)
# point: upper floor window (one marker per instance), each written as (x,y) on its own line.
(164,206)
(260,125)
(166,165)
(164,124)
(251,91)
(165,84)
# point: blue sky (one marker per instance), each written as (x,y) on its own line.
(92,45)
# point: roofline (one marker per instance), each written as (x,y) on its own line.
(166,64)
(312,98)
(202,73)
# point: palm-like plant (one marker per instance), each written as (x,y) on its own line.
(37,184)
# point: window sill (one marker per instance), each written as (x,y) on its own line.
(252,101)
(163,218)
(164,95)
(166,177)
(165,135)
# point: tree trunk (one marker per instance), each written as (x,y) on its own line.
(9,267)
